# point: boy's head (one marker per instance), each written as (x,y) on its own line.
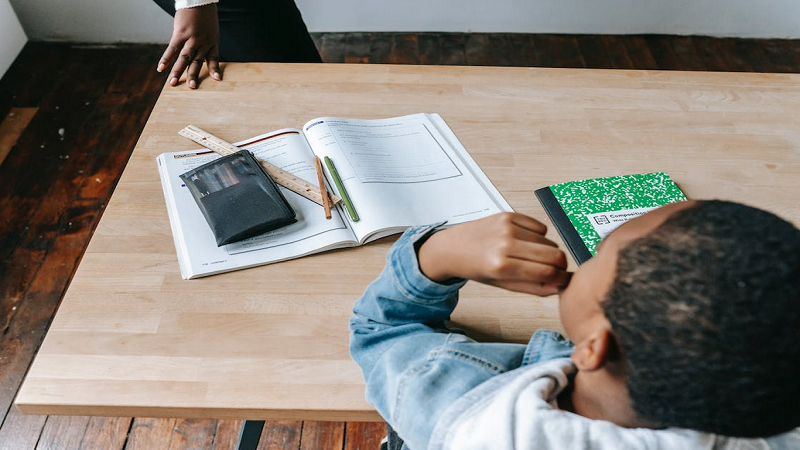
(695,307)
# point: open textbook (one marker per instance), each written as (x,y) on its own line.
(399,172)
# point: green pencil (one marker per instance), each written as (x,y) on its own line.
(348,204)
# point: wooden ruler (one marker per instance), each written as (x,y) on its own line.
(282,177)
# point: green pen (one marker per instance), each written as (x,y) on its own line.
(348,204)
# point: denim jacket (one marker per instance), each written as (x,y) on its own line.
(414,366)
(441,390)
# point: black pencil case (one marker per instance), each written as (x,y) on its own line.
(238,198)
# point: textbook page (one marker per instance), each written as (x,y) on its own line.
(404,171)
(198,254)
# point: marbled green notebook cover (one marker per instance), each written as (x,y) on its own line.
(595,207)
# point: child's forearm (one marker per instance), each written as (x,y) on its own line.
(507,250)
(401,301)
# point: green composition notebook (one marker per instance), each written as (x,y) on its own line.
(584,212)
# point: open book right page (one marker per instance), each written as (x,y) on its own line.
(404,171)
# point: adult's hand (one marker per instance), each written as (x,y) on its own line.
(195,40)
(507,250)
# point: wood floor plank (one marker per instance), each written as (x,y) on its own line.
(784,54)
(735,60)
(503,49)
(18,270)
(45,252)
(135,75)
(515,49)
(557,50)
(227,435)
(332,47)
(32,75)
(193,434)
(50,138)
(617,52)
(542,56)
(684,48)
(99,152)
(12,127)
(380,48)
(31,243)
(718,53)
(430,48)
(488,50)
(452,49)
(25,332)
(754,53)
(364,435)
(593,51)
(63,433)
(509,48)
(150,434)
(21,431)
(638,53)
(31,318)
(477,50)
(281,435)
(106,433)
(357,48)
(494,50)
(663,54)
(322,435)
(404,49)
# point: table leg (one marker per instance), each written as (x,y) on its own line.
(250,434)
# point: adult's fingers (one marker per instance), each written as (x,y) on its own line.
(167,57)
(194,71)
(213,64)
(182,63)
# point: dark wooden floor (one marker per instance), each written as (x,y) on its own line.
(71,116)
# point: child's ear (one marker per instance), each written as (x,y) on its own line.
(597,350)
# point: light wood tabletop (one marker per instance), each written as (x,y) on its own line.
(131,338)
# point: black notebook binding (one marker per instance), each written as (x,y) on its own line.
(564,226)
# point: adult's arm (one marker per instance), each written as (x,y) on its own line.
(195,41)
(183,4)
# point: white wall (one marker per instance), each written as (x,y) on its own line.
(142,21)
(98,21)
(734,18)
(12,37)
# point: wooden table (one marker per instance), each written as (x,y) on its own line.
(132,338)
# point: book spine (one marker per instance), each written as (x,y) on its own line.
(563,225)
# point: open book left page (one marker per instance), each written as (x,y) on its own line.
(198,254)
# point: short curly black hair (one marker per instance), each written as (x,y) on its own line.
(706,309)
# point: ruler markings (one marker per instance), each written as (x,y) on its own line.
(282,177)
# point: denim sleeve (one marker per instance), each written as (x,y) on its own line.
(413,365)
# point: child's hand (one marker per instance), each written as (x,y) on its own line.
(507,250)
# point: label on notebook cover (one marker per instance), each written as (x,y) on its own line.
(597,206)
(607,221)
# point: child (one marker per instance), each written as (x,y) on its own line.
(685,328)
